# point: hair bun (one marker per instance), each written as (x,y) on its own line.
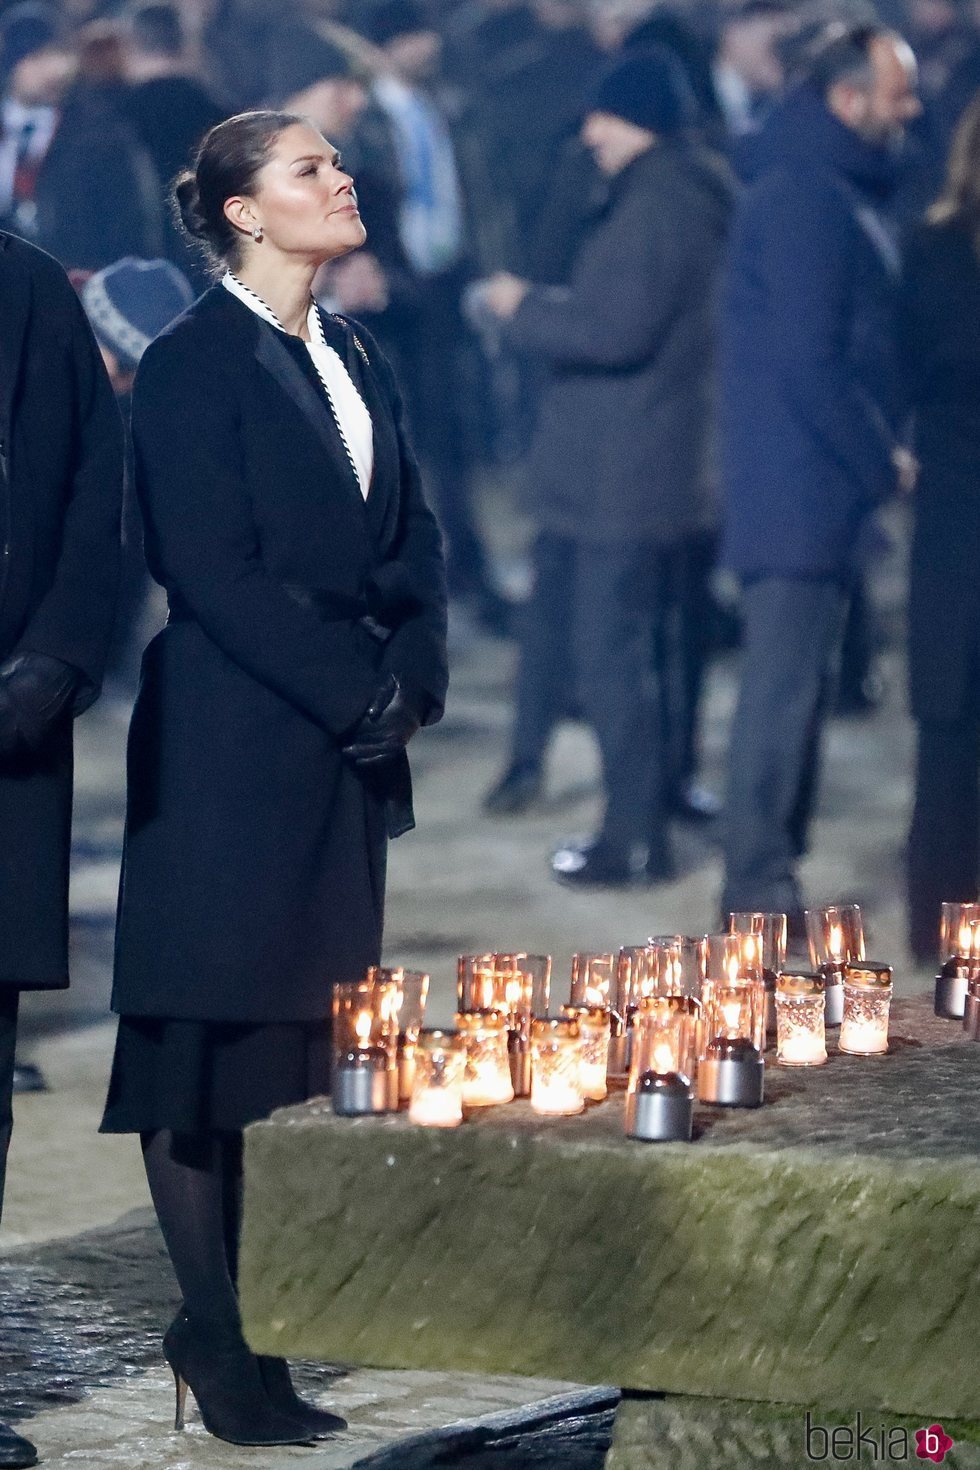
(187,199)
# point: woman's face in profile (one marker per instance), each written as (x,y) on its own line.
(304,201)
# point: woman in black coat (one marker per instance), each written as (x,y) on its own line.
(305,645)
(941,349)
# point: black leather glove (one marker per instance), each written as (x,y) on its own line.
(385,729)
(34,691)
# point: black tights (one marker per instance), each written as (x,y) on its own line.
(196,1184)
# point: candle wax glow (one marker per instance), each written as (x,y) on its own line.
(864,1037)
(593,1076)
(436,1107)
(487,1085)
(555,1097)
(802,1050)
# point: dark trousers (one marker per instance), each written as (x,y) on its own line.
(588,629)
(944,840)
(8,1039)
(792,631)
(681,648)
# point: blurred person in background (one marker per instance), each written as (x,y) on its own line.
(436,351)
(809,407)
(127,305)
(620,467)
(169,107)
(940,340)
(61,467)
(97,193)
(748,69)
(36,71)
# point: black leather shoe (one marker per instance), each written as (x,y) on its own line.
(225,1380)
(518,789)
(593,864)
(283,1396)
(15,1450)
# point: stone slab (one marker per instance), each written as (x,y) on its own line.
(664,1433)
(825,1247)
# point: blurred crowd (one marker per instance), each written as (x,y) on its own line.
(653,256)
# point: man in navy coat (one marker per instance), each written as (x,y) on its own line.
(61,468)
(808,412)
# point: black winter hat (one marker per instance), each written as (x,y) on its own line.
(647,88)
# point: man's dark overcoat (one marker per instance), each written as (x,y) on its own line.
(254,861)
(61,466)
(940,340)
(622,450)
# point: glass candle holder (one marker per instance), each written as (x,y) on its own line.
(867,999)
(959,950)
(633,980)
(407,994)
(679,964)
(665,1038)
(800,1033)
(533,992)
(771,931)
(476,982)
(556,1066)
(437,1088)
(731,1010)
(836,939)
(487,1079)
(726,960)
(363,1020)
(592,980)
(594,1028)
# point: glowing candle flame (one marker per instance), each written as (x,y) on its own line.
(663,1057)
(967,936)
(595,995)
(732,966)
(731,1011)
(362,1028)
(836,942)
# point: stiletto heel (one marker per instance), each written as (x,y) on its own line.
(225,1380)
(180,1386)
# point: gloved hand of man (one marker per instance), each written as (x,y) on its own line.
(386,727)
(34,690)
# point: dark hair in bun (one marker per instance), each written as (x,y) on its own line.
(228,160)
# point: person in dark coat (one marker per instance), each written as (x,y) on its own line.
(621,462)
(305,646)
(809,405)
(61,467)
(940,340)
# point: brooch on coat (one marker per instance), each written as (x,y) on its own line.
(357,341)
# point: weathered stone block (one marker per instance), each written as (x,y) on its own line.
(824,1249)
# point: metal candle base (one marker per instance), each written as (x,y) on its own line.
(519,1053)
(661,1110)
(971,1016)
(619,1055)
(952,985)
(833,979)
(361,1084)
(732,1074)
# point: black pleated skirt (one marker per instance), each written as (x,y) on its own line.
(211,1076)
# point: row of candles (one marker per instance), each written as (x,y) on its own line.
(662,1017)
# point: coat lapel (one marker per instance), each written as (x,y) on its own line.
(274,357)
(382,503)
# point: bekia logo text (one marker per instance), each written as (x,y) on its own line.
(859,1442)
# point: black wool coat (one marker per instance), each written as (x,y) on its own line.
(940,350)
(623,445)
(253,870)
(61,469)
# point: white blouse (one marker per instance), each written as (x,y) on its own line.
(349,409)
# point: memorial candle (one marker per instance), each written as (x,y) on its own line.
(556,1066)
(594,1028)
(959,948)
(437,1091)
(800,1034)
(867,999)
(486,1080)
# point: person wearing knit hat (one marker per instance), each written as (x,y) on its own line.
(311,75)
(649,90)
(128,304)
(620,462)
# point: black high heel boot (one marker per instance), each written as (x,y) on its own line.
(225,1380)
(283,1396)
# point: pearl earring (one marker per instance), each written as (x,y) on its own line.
(257,233)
